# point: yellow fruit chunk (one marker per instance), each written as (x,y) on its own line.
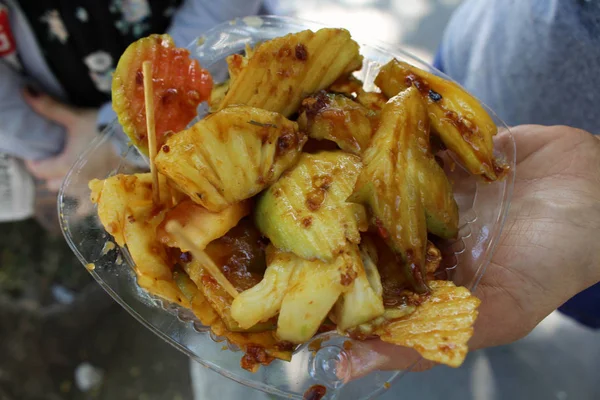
(441,325)
(231,155)
(279,73)
(457,117)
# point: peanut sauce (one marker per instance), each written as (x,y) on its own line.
(301,52)
(315,345)
(255,355)
(315,392)
(315,198)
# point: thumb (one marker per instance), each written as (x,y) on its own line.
(50,108)
(365,357)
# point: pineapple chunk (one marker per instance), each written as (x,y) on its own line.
(281,72)
(364,299)
(231,155)
(352,87)
(126,211)
(457,117)
(116,196)
(336,117)
(313,289)
(263,301)
(219,299)
(306,212)
(199,224)
(399,173)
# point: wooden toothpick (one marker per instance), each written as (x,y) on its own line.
(150,127)
(174,228)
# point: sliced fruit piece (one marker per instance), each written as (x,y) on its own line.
(457,117)
(220,300)
(337,118)
(402,183)
(121,196)
(363,301)
(199,224)
(305,212)
(114,195)
(441,210)
(393,279)
(260,347)
(388,183)
(126,211)
(281,72)
(263,301)
(179,85)
(353,88)
(313,289)
(440,326)
(231,155)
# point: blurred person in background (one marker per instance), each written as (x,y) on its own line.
(57,59)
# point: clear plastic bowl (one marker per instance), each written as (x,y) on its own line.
(483,208)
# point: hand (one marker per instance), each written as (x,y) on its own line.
(548,252)
(80,126)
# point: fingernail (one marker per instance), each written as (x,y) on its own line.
(33,92)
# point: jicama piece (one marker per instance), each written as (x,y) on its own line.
(457,117)
(281,72)
(179,86)
(231,155)
(306,213)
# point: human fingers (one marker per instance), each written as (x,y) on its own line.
(50,108)
(367,356)
(48,169)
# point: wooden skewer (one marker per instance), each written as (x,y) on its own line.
(176,230)
(150,127)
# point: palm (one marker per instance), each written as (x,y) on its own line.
(547,249)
